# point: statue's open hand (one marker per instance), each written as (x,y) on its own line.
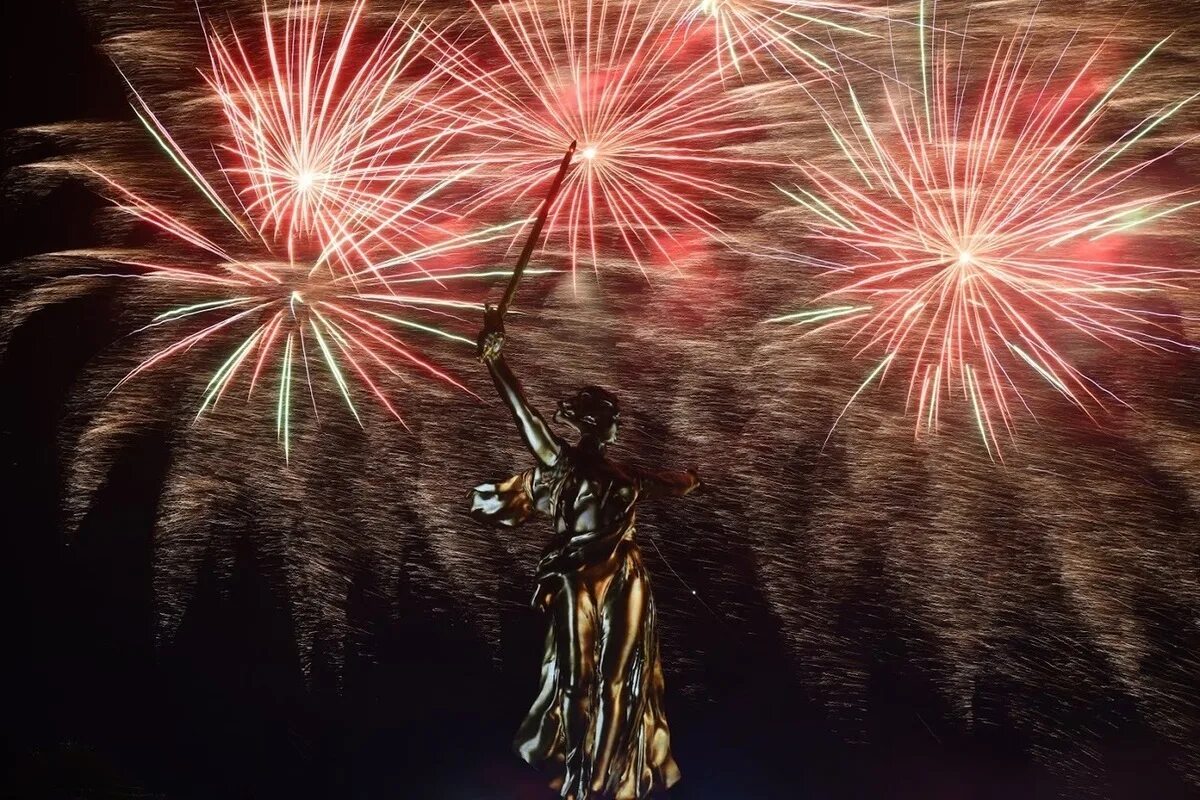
(491,338)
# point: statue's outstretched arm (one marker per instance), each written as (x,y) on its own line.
(538,436)
(668,483)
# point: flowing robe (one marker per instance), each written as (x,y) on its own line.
(601,564)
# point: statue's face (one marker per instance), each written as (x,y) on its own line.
(593,412)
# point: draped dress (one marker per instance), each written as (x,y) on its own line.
(603,561)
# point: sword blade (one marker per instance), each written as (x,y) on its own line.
(536,232)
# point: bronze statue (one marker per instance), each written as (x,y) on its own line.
(598,720)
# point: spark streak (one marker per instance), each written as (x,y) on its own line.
(789,34)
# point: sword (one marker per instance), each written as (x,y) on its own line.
(531,242)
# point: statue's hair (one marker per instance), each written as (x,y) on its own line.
(596,402)
(602,394)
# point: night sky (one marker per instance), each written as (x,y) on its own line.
(874,616)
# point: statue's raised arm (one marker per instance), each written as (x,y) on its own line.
(538,436)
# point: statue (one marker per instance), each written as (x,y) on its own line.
(598,720)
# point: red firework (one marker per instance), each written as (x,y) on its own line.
(656,128)
(972,217)
(334,140)
(282,315)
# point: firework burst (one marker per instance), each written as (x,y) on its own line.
(973,214)
(657,131)
(782,33)
(333,140)
(281,317)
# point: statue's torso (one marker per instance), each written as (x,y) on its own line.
(592,502)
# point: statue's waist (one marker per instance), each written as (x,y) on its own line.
(578,551)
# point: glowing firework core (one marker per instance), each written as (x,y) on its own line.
(305,180)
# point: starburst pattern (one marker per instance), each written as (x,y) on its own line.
(658,133)
(972,214)
(1053,601)
(285,315)
(333,138)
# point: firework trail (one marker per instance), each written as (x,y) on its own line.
(288,316)
(779,33)
(660,138)
(333,140)
(972,213)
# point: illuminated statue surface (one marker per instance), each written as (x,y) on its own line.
(598,720)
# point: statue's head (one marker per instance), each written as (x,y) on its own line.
(592,411)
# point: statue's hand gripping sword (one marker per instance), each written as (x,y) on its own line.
(534,234)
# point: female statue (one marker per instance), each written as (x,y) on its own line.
(598,720)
